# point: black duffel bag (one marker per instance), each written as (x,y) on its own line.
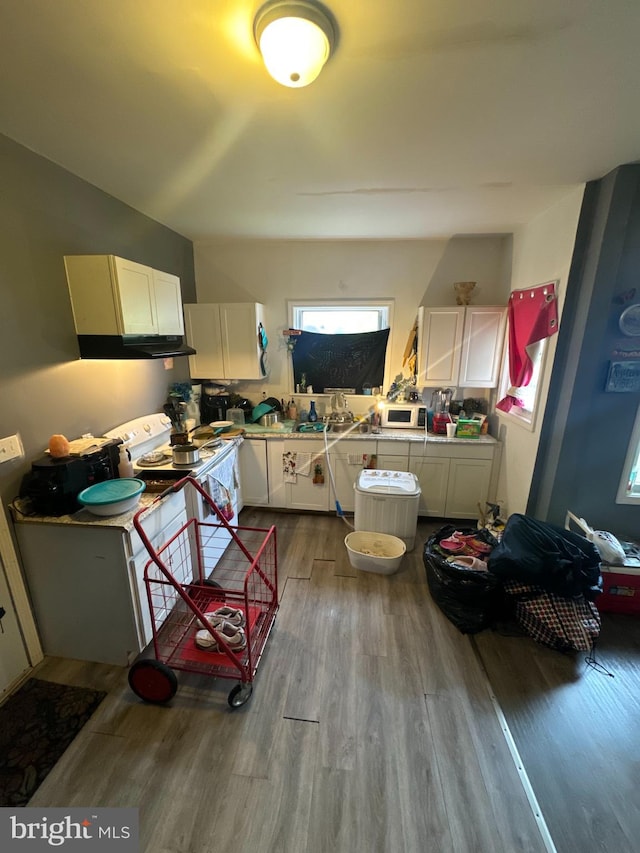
(473,600)
(545,555)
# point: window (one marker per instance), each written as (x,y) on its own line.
(344,343)
(532,320)
(629,488)
(340,318)
(529,394)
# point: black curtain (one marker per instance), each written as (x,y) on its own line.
(340,361)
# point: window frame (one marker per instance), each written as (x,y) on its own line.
(525,418)
(386,304)
(633,454)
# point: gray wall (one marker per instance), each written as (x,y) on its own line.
(45,213)
(586,431)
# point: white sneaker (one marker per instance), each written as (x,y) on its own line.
(233,636)
(233,615)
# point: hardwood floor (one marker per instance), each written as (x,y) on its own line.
(577,732)
(371,728)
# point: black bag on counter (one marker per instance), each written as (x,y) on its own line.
(545,555)
(472,600)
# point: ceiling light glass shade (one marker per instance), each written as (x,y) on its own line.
(295,40)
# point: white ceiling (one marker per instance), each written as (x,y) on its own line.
(433,117)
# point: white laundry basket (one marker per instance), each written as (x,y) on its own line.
(387,502)
(374,552)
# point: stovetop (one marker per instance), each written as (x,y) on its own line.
(166,463)
(151,433)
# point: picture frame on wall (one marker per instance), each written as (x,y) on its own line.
(623,376)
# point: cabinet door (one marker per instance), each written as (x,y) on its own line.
(440,346)
(393,455)
(304,493)
(139,596)
(433,476)
(346,467)
(277,491)
(202,321)
(468,487)
(482,346)
(240,346)
(135,295)
(253,472)
(168,303)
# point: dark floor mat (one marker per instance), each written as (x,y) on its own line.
(37,724)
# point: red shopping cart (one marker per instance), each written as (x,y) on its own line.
(185,600)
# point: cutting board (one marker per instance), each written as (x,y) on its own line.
(232,433)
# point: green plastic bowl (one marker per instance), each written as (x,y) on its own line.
(112,497)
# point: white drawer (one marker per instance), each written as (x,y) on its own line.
(453,450)
(156,522)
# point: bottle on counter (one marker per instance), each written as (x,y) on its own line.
(313,415)
(292,411)
(125,466)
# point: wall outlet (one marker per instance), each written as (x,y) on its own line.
(11,448)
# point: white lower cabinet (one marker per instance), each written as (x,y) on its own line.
(393,455)
(454,477)
(468,487)
(311,489)
(277,491)
(254,481)
(433,477)
(87,587)
(348,458)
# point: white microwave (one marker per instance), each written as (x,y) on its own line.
(403,416)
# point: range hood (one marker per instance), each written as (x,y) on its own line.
(133,346)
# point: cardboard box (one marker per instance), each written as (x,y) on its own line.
(468,428)
(621,590)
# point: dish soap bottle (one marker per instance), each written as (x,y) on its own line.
(125,466)
(313,415)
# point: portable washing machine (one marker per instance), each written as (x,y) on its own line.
(387,502)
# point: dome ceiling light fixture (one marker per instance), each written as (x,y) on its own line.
(295,39)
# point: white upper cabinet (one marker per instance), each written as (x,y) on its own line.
(113,296)
(440,346)
(168,303)
(461,346)
(226,338)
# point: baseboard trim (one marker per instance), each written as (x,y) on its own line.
(515,755)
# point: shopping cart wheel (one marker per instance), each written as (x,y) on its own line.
(240,694)
(153,681)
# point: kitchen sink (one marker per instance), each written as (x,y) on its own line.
(346,426)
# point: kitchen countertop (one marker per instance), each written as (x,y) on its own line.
(287,430)
(84,518)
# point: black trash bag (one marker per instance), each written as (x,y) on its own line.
(545,555)
(472,600)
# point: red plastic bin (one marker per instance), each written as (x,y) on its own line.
(621,590)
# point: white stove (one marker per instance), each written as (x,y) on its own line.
(148,441)
(216,472)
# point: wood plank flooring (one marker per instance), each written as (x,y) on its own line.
(577,731)
(370,730)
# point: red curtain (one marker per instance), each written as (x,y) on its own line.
(533,316)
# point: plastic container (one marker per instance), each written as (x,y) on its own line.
(387,502)
(125,466)
(112,497)
(375,552)
(236,415)
(621,590)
